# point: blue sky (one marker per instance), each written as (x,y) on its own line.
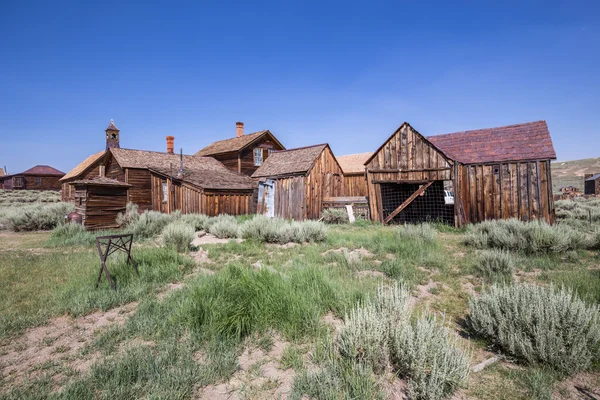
(311,72)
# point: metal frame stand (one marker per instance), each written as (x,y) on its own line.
(113,244)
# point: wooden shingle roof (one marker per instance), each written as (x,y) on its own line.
(354,163)
(102,181)
(234,144)
(528,141)
(289,162)
(82,166)
(42,170)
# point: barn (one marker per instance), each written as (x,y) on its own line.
(243,153)
(293,183)
(463,177)
(355,178)
(40,177)
(592,184)
(160,181)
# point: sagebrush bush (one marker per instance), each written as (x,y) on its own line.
(37,217)
(178,235)
(277,230)
(150,224)
(197,221)
(381,332)
(538,325)
(495,265)
(528,237)
(420,232)
(130,215)
(335,216)
(431,357)
(224,227)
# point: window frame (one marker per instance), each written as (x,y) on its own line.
(165,192)
(18,181)
(257,155)
(38,181)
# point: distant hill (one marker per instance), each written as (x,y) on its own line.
(570,173)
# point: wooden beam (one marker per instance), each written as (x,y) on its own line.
(401,181)
(397,170)
(412,197)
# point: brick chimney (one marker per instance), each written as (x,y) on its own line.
(171,144)
(239,129)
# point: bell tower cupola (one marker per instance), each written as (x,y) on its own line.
(112,136)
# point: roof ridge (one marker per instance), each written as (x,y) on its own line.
(237,137)
(302,148)
(490,128)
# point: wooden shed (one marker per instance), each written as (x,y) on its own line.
(243,153)
(591,184)
(40,177)
(99,200)
(293,183)
(355,176)
(464,177)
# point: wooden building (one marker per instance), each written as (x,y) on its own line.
(99,200)
(293,183)
(40,177)
(244,153)
(164,181)
(592,184)
(494,173)
(355,176)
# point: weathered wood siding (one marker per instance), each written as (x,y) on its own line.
(34,182)
(325,179)
(290,198)
(505,190)
(406,157)
(99,205)
(355,185)
(140,191)
(229,202)
(243,161)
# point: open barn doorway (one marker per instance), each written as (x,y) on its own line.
(418,202)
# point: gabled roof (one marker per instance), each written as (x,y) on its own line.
(42,170)
(290,162)
(354,163)
(234,144)
(593,178)
(82,166)
(528,141)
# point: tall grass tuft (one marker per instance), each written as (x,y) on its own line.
(178,235)
(276,230)
(130,215)
(539,325)
(495,265)
(423,233)
(150,224)
(71,235)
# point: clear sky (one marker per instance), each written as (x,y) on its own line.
(347,73)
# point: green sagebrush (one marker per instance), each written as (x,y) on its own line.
(178,235)
(382,332)
(538,325)
(335,216)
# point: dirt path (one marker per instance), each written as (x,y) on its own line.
(58,343)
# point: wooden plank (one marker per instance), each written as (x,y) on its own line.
(412,197)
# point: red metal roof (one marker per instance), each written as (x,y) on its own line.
(528,141)
(42,170)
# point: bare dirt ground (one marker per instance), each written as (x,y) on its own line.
(58,343)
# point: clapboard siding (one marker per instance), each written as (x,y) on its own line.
(140,191)
(355,185)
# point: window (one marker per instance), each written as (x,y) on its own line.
(38,181)
(165,192)
(18,182)
(258,156)
(271,151)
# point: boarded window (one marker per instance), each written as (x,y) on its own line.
(258,156)
(165,193)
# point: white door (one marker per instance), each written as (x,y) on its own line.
(266,198)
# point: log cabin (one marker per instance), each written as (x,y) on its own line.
(245,152)
(40,177)
(463,177)
(355,177)
(293,183)
(160,181)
